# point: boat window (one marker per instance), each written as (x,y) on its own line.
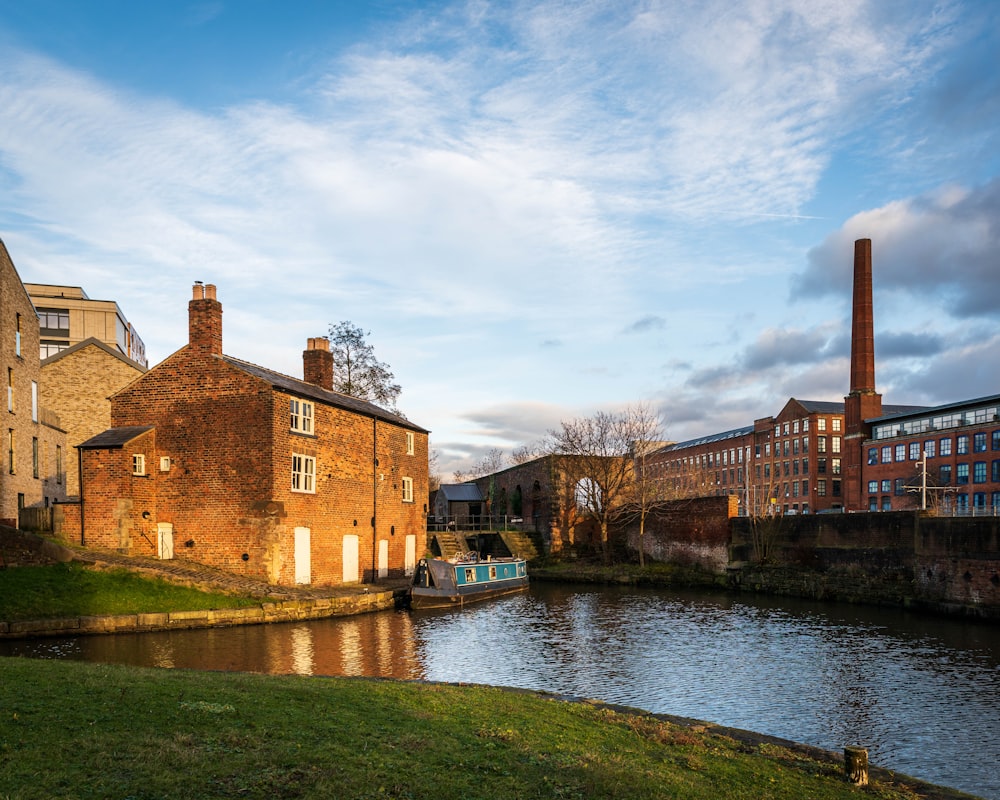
(470,575)
(493,573)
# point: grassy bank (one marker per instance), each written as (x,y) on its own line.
(72,590)
(92,731)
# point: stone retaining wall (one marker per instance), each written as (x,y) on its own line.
(283,611)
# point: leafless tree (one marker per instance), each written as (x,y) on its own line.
(356,371)
(646,488)
(595,454)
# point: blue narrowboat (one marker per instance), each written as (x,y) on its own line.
(439,583)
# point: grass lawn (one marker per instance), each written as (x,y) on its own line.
(73,590)
(94,731)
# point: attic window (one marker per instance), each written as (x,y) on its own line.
(301,415)
(138,464)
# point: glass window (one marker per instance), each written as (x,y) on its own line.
(835,466)
(409,443)
(995,438)
(979,442)
(945,474)
(303,473)
(961,445)
(138,464)
(887,455)
(899,486)
(835,444)
(872,455)
(962,473)
(407,490)
(821,423)
(836,423)
(301,412)
(886,484)
(995,471)
(34,456)
(821,488)
(914,451)
(979,472)
(820,444)
(900,452)
(945,449)
(872,487)
(929,448)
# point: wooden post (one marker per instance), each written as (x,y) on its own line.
(856,765)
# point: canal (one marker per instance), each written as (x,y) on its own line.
(922,693)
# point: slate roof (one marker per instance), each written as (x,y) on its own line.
(461,492)
(114,438)
(713,437)
(321,395)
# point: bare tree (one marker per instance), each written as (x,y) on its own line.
(492,462)
(356,371)
(434,476)
(524,453)
(646,489)
(595,453)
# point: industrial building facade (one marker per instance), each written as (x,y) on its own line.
(859,455)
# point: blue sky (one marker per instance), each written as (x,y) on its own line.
(538,209)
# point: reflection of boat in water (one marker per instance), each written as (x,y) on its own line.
(439,583)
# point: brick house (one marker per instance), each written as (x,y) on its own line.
(34,445)
(223,462)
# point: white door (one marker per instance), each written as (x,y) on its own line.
(303,562)
(351,558)
(383,558)
(164,540)
(410,557)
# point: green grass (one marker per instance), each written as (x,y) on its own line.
(95,731)
(72,590)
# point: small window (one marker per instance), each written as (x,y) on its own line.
(962,445)
(303,473)
(407,490)
(301,415)
(164,463)
(59,464)
(836,423)
(409,443)
(34,402)
(138,464)
(470,575)
(34,457)
(17,337)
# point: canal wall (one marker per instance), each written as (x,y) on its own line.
(280,611)
(691,532)
(947,564)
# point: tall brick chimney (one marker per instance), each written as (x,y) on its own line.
(205,320)
(317,363)
(863,402)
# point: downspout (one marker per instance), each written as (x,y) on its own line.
(374,495)
(79,480)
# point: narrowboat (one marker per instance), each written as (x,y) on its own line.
(440,583)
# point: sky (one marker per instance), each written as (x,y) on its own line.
(538,209)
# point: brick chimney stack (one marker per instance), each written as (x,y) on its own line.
(205,320)
(317,363)
(862,325)
(863,402)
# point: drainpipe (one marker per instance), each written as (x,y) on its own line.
(374,496)
(79,481)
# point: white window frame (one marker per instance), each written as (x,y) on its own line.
(303,473)
(302,414)
(409,443)
(407,490)
(138,464)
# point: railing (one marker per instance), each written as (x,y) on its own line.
(478,522)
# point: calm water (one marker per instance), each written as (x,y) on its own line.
(922,693)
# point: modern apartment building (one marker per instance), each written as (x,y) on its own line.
(67,316)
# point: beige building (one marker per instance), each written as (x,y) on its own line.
(34,455)
(67,316)
(76,384)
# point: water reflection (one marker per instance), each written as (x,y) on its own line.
(923,694)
